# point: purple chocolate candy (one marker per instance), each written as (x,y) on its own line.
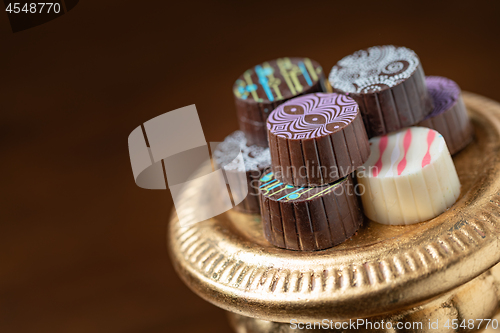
(449,116)
(444,92)
(316,139)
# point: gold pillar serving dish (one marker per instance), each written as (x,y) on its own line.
(442,269)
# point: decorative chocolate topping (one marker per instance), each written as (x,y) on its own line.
(254,157)
(374,69)
(273,188)
(404,153)
(388,83)
(444,92)
(312,115)
(279,79)
(316,139)
(308,218)
(261,89)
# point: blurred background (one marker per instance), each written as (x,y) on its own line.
(83,249)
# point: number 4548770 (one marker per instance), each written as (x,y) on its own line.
(33,8)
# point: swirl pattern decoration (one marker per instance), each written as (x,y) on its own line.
(316,139)
(374,69)
(388,83)
(312,115)
(254,157)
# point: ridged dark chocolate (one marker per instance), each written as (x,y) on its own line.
(316,139)
(449,116)
(309,219)
(388,83)
(264,87)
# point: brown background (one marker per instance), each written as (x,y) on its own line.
(82,247)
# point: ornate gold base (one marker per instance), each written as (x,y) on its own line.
(477,299)
(434,269)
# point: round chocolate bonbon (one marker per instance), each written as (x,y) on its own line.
(262,88)
(449,116)
(256,160)
(316,139)
(388,82)
(409,177)
(309,218)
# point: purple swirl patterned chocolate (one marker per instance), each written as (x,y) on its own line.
(449,116)
(316,139)
(388,83)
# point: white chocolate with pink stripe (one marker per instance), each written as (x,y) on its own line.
(408,178)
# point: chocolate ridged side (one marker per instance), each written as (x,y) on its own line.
(253,105)
(454,125)
(388,83)
(320,160)
(316,223)
(249,205)
(449,116)
(256,160)
(396,107)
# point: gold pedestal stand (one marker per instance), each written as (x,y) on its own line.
(440,270)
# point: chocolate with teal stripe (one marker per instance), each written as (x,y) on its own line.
(308,218)
(260,89)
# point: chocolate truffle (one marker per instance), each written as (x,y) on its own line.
(449,116)
(262,88)
(388,83)
(409,177)
(316,139)
(309,218)
(256,160)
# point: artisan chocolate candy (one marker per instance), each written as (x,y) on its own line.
(309,218)
(256,160)
(262,88)
(409,177)
(449,116)
(316,139)
(388,83)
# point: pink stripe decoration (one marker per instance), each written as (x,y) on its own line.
(431,135)
(382,146)
(406,146)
